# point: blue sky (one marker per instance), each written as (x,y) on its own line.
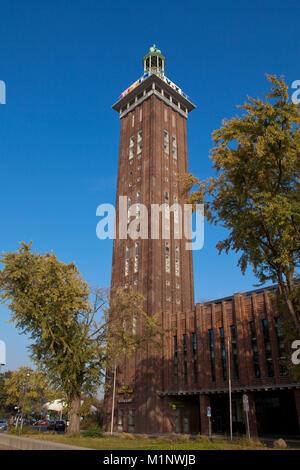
(66,62)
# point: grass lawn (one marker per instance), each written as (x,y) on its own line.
(126,443)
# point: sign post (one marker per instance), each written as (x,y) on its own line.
(246,409)
(208,414)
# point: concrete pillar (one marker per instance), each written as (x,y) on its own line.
(252,416)
(297,401)
(204,403)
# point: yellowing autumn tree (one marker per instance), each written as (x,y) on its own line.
(255,193)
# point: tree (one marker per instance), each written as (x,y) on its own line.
(28,389)
(255,193)
(50,302)
(5,409)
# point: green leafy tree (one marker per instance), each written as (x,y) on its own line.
(255,193)
(71,336)
(28,389)
(5,409)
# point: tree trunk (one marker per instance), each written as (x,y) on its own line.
(286,294)
(74,426)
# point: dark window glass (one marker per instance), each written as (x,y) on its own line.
(281,349)
(185,359)
(212,355)
(254,350)
(223,354)
(234,352)
(175,361)
(268,352)
(194,344)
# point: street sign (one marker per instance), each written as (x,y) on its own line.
(208,411)
(245,402)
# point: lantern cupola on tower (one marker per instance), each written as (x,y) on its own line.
(154,61)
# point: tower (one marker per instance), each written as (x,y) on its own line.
(152,154)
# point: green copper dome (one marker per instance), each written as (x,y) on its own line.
(154,61)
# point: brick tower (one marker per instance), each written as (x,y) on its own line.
(152,154)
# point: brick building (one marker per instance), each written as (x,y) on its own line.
(169,390)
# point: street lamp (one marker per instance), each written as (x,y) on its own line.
(22,413)
(229,387)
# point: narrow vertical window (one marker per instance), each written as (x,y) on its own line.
(136,258)
(175,360)
(167,207)
(268,352)
(281,349)
(131,420)
(173,120)
(177,262)
(167,256)
(141,115)
(127,254)
(166,142)
(134,322)
(165,115)
(185,359)
(212,355)
(140,142)
(254,350)
(132,122)
(131,147)
(120,419)
(174,148)
(129,205)
(223,353)
(194,344)
(234,352)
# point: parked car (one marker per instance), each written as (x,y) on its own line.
(3,425)
(60,425)
(51,425)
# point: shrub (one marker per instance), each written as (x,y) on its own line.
(93,430)
(125,435)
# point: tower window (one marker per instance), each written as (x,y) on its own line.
(127,254)
(131,147)
(165,115)
(140,142)
(141,115)
(177,262)
(138,197)
(129,205)
(132,122)
(174,147)
(173,120)
(167,256)
(136,258)
(166,142)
